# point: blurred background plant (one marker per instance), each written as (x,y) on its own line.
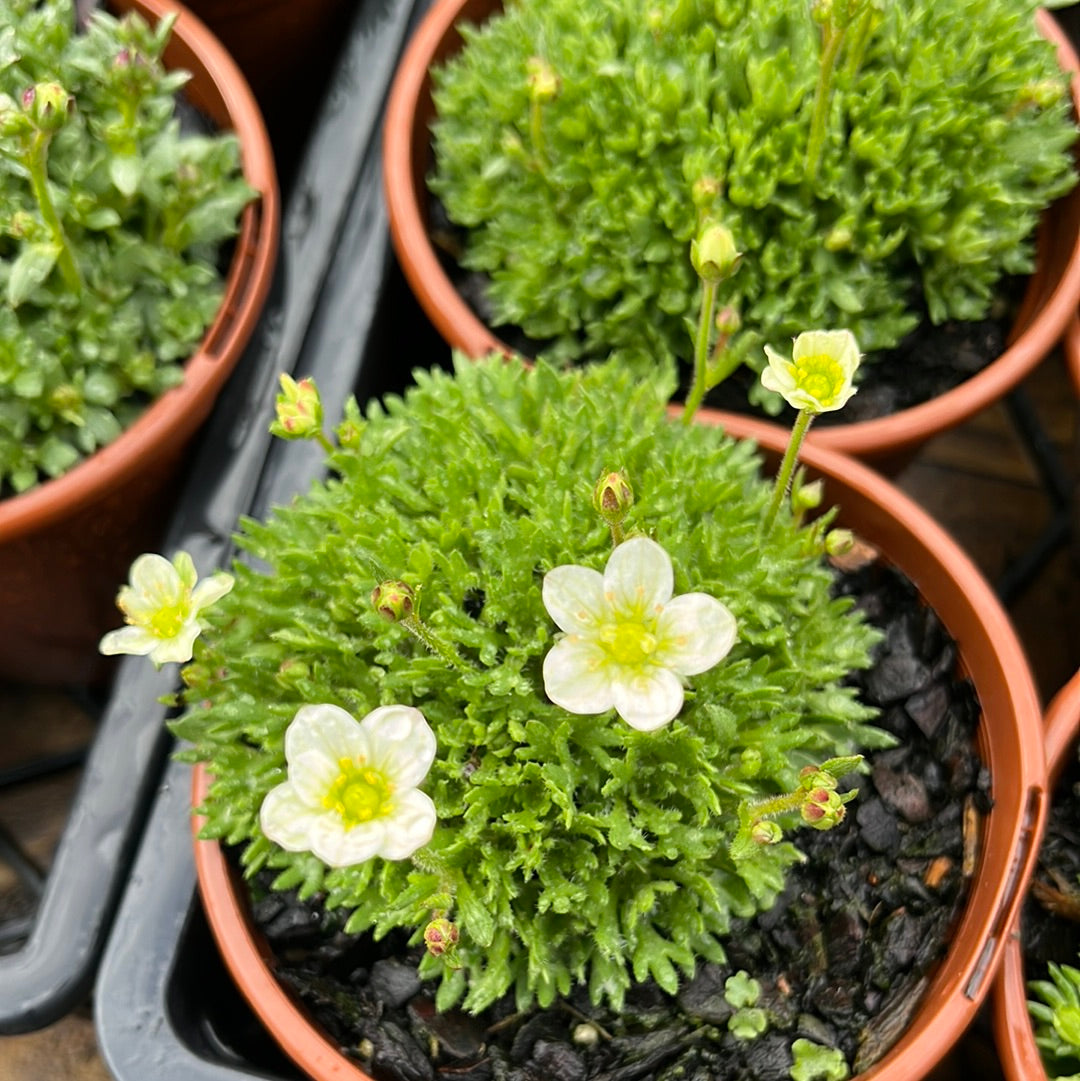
(112,222)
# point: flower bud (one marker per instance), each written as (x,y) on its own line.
(839,542)
(704,191)
(298,409)
(542,80)
(765,832)
(440,937)
(613,497)
(728,321)
(713,253)
(806,497)
(822,808)
(838,238)
(393,600)
(48,105)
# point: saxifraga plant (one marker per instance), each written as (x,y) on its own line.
(111,228)
(567,847)
(873,161)
(1055,1014)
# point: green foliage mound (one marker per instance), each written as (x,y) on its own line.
(568,848)
(1055,1014)
(582,144)
(111,223)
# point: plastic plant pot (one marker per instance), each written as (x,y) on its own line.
(66,544)
(1070,344)
(1013,1034)
(888,442)
(1010,742)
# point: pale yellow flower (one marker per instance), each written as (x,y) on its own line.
(819,376)
(161,604)
(628,642)
(351,791)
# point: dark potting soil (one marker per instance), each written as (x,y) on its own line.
(842,957)
(1050,921)
(929,362)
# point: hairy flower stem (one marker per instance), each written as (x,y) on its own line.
(701,352)
(324,441)
(787,466)
(37,162)
(618,535)
(832,39)
(420,630)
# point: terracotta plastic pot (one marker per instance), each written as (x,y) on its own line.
(889,442)
(66,545)
(1010,741)
(1070,344)
(1013,1034)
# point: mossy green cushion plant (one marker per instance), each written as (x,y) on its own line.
(872,160)
(390,656)
(111,230)
(1055,1013)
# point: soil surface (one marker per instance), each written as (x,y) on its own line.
(841,958)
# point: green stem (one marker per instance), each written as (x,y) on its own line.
(830,50)
(787,466)
(617,534)
(701,351)
(423,632)
(37,163)
(536,130)
(324,442)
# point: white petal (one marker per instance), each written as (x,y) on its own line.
(402,744)
(184,566)
(638,578)
(695,631)
(317,738)
(179,647)
(291,822)
(574,598)
(134,640)
(577,676)
(339,847)
(154,582)
(210,590)
(409,827)
(649,698)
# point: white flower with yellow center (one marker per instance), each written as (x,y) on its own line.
(818,378)
(628,642)
(351,791)
(161,604)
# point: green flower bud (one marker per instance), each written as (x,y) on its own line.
(48,105)
(704,191)
(750,762)
(728,321)
(839,542)
(393,600)
(822,808)
(292,672)
(13,121)
(298,409)
(765,832)
(542,81)
(713,253)
(839,238)
(613,497)
(806,497)
(441,937)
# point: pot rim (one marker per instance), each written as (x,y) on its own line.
(1044,312)
(1010,740)
(1013,1034)
(218,87)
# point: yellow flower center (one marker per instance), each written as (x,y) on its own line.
(820,376)
(165,622)
(359,793)
(629,643)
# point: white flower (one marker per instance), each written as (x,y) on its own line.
(628,643)
(351,790)
(161,603)
(819,376)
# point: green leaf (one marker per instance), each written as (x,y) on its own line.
(32,266)
(125,171)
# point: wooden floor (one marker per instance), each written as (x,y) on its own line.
(980,481)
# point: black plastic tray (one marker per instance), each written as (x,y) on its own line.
(163,1004)
(333,246)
